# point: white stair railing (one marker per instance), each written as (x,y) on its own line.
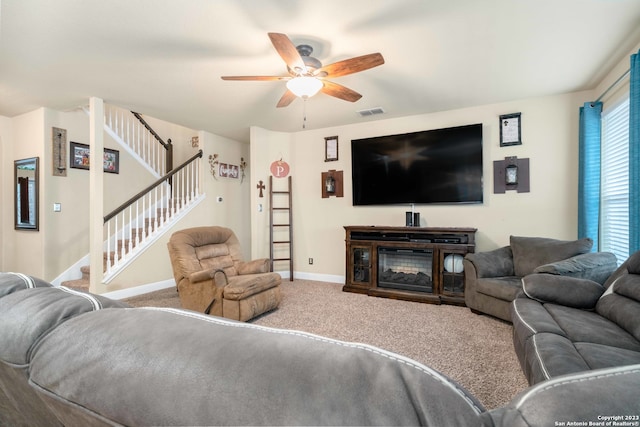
(136,223)
(138,138)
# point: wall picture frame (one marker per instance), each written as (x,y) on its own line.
(331,149)
(510,129)
(111,161)
(79,155)
(226,170)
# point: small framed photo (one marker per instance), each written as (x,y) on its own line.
(80,153)
(111,161)
(331,149)
(510,129)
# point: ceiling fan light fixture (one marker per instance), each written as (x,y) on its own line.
(304,86)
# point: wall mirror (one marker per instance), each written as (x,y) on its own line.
(26,193)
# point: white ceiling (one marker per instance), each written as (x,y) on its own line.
(164,58)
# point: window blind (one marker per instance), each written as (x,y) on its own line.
(614,215)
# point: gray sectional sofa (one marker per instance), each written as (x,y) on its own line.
(565,325)
(75,359)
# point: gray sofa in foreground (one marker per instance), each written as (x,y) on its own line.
(79,359)
(565,325)
(493,279)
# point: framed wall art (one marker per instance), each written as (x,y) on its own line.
(111,161)
(331,149)
(510,129)
(80,153)
(228,171)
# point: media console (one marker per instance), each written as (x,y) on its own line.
(409,263)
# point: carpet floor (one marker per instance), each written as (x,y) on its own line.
(476,351)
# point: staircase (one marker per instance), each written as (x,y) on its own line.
(142,219)
(122,248)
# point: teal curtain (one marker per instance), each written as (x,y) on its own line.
(634,154)
(589,172)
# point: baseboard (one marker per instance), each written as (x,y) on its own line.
(157,286)
(331,278)
(140,290)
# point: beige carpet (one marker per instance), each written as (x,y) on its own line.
(476,351)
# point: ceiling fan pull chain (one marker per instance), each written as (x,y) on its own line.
(304,113)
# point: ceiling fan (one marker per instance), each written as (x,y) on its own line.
(307,75)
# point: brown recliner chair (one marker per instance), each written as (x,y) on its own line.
(212,278)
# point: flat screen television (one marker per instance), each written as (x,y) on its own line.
(441,166)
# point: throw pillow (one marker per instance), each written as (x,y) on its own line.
(531,252)
(563,290)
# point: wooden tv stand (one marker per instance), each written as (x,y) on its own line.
(409,263)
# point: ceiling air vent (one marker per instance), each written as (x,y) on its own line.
(371,111)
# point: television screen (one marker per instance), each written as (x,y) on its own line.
(432,166)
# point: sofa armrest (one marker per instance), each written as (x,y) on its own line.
(200,276)
(495,263)
(595,266)
(599,396)
(253,267)
(219,276)
(562,290)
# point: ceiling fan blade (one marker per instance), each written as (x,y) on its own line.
(350,66)
(257,78)
(288,52)
(286,99)
(340,91)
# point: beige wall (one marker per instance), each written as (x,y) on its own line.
(23,250)
(550,141)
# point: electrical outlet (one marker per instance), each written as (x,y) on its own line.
(310,261)
(219,199)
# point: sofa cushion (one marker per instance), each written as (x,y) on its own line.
(633,263)
(12,282)
(495,263)
(531,252)
(231,373)
(550,355)
(588,326)
(211,251)
(596,266)
(621,303)
(504,288)
(27,315)
(599,356)
(567,291)
(529,317)
(224,262)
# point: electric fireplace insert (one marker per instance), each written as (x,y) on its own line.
(408,269)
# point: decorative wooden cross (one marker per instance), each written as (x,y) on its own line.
(260,187)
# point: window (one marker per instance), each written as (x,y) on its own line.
(614,203)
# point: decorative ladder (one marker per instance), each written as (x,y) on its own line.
(281,232)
